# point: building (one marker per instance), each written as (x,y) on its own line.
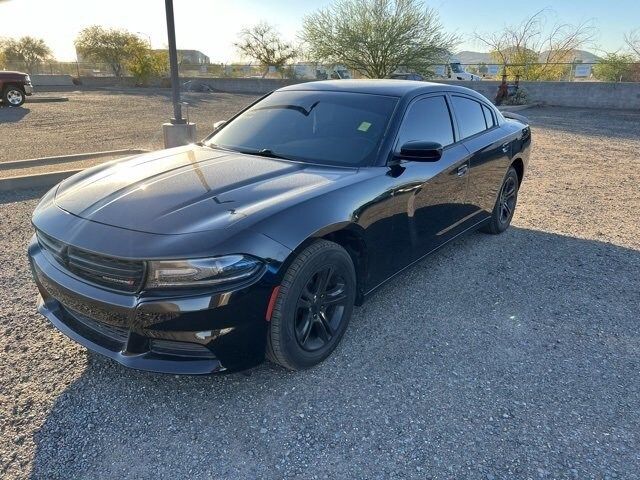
(190,57)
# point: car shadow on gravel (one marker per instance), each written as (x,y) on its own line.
(12,115)
(510,356)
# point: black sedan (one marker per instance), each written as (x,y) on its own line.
(259,240)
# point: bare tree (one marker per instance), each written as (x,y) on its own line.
(632,39)
(262,43)
(536,48)
(376,37)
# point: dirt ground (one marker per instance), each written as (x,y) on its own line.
(96,121)
(500,357)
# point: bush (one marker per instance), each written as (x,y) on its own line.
(519,98)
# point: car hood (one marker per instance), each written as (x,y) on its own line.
(190,189)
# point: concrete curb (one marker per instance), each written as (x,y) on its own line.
(46,99)
(516,108)
(36,162)
(39,180)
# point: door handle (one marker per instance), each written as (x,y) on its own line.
(462,170)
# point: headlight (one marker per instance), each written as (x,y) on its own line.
(201,271)
(27,78)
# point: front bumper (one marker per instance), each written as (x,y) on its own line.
(193,333)
(28,89)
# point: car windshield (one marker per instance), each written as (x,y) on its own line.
(334,128)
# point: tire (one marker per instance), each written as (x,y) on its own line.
(505,204)
(308,321)
(13,96)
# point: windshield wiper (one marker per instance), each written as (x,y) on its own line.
(265,152)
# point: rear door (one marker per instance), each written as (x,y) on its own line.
(489,150)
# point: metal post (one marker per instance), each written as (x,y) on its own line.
(173,63)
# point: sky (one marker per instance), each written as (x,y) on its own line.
(212,26)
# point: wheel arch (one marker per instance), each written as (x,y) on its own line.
(349,236)
(518,165)
(7,85)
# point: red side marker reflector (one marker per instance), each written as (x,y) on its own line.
(272,303)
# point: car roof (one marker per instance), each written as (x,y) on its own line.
(390,87)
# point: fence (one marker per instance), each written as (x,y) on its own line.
(627,72)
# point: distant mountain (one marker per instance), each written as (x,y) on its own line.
(467,56)
(470,57)
(580,56)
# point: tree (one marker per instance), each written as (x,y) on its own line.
(145,64)
(632,39)
(616,67)
(376,37)
(262,43)
(111,46)
(537,49)
(27,50)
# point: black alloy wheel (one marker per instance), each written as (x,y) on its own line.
(313,306)
(505,204)
(320,309)
(508,199)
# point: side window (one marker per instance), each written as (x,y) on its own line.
(488,116)
(470,116)
(429,120)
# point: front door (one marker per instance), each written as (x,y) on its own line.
(432,194)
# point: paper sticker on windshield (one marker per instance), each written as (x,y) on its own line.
(364,126)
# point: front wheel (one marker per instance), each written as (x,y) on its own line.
(13,96)
(505,204)
(313,306)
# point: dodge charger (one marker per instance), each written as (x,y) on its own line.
(258,241)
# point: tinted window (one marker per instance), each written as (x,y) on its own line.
(427,119)
(313,126)
(470,116)
(488,116)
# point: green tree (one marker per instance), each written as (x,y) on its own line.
(262,43)
(111,46)
(615,67)
(376,37)
(145,64)
(27,50)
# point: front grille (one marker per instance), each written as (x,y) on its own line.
(115,273)
(113,332)
(180,349)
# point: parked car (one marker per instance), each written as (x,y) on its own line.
(407,76)
(260,239)
(15,87)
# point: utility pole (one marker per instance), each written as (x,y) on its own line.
(177,132)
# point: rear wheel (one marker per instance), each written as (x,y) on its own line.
(13,96)
(505,204)
(313,307)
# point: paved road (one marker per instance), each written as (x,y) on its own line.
(512,356)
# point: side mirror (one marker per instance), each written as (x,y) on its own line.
(219,124)
(421,151)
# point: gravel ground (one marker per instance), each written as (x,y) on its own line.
(511,356)
(127,119)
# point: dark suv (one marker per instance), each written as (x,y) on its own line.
(15,87)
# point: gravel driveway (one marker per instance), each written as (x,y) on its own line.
(511,356)
(125,119)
